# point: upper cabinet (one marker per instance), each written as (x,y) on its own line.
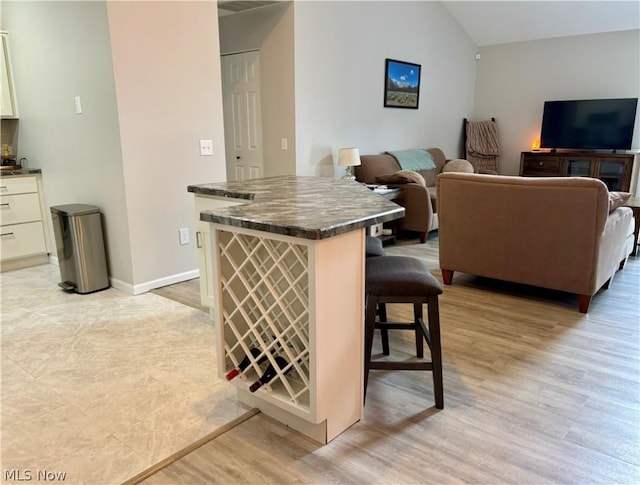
(8,105)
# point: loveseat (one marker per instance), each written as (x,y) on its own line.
(563,233)
(418,200)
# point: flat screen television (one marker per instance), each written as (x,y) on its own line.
(588,124)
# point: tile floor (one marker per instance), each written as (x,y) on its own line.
(101,386)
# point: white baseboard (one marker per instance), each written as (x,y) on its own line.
(160,282)
(147,286)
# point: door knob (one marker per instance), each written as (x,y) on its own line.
(237,158)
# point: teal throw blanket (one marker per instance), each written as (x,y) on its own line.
(414,159)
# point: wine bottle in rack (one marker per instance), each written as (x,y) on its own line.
(245,362)
(270,373)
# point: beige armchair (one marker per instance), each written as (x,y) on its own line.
(419,201)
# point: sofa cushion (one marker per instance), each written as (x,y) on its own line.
(373,165)
(401,177)
(618,199)
(429,177)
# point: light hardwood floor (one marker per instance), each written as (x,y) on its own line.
(187,292)
(535,392)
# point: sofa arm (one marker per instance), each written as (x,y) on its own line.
(613,248)
(416,200)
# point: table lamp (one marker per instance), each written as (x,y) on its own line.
(348,157)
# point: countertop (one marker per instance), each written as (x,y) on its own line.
(19,171)
(298,206)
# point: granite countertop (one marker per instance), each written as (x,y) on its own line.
(19,171)
(305,207)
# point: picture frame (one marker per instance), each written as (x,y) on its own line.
(401,84)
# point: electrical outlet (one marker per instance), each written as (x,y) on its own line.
(183,234)
(283,143)
(206,148)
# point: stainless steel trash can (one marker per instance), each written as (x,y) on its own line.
(80,248)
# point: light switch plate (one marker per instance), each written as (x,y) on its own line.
(184,235)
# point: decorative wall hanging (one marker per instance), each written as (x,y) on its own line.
(401,84)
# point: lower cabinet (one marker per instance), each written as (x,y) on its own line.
(203,242)
(23,235)
(614,169)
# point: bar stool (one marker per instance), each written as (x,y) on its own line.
(401,279)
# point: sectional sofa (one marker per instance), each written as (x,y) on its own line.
(565,233)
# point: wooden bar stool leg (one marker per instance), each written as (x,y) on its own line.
(369,327)
(384,333)
(436,350)
(417,316)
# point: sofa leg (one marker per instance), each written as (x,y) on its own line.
(423,237)
(583,303)
(447,276)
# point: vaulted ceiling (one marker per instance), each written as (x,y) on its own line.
(499,22)
(489,23)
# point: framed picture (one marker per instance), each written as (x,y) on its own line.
(401,84)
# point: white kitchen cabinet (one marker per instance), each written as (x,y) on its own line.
(8,104)
(203,242)
(23,236)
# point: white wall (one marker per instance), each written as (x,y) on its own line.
(340,51)
(167,75)
(514,80)
(148,74)
(61,50)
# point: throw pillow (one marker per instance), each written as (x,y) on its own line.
(402,177)
(458,165)
(618,199)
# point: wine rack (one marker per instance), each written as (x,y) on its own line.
(283,297)
(264,297)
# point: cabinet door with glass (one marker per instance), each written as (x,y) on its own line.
(613,172)
(580,167)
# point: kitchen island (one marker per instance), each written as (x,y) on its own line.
(285,259)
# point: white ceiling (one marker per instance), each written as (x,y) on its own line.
(490,23)
(500,22)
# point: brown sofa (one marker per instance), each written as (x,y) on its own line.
(419,202)
(550,232)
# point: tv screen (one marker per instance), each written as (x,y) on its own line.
(589,124)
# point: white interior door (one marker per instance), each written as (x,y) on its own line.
(242,115)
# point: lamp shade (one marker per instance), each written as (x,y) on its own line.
(348,157)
